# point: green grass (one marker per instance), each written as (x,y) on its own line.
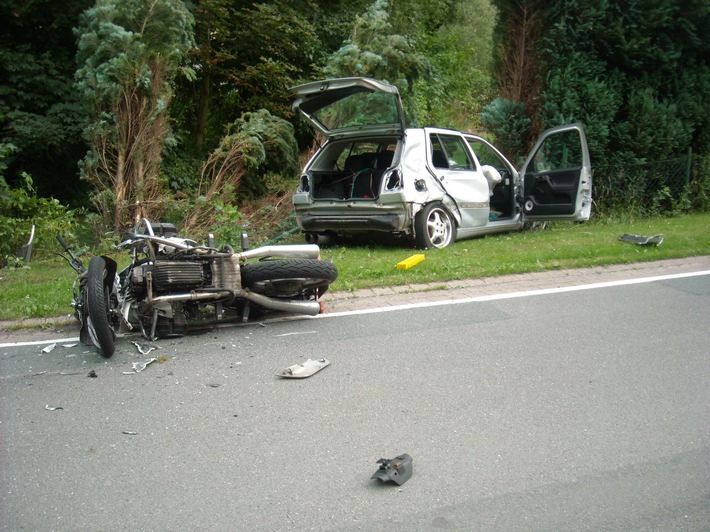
(44,288)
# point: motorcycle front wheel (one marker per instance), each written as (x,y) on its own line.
(289,277)
(98,297)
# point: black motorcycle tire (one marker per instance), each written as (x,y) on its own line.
(288,277)
(97,301)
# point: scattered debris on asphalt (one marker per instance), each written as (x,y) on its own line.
(130,432)
(301,371)
(137,367)
(656,240)
(397,469)
(50,407)
(92,374)
(142,350)
(49,348)
(140,366)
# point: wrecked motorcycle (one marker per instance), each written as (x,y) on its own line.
(173,283)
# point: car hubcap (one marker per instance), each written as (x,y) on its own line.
(439,228)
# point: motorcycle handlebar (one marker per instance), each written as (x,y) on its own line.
(63,243)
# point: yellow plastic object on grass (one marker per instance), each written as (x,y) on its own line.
(410,261)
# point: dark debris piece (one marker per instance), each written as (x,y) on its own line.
(398,469)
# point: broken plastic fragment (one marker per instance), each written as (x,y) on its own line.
(70,345)
(301,371)
(143,351)
(130,432)
(656,240)
(398,469)
(410,262)
(140,366)
(49,348)
(50,407)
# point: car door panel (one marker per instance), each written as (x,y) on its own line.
(557,183)
(455,168)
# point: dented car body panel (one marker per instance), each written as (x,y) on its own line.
(431,184)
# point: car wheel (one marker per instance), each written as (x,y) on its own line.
(434,227)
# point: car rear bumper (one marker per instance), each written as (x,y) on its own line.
(389,223)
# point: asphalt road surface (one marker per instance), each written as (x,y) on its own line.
(539,410)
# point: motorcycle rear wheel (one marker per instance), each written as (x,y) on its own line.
(98,298)
(289,277)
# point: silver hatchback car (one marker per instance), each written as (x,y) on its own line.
(432,185)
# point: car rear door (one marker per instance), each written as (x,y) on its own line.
(557,176)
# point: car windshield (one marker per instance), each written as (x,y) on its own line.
(362,108)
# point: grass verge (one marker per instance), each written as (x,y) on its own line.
(43,288)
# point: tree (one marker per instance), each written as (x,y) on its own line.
(247,55)
(129,52)
(374,50)
(40,113)
(457,41)
(636,74)
(249,142)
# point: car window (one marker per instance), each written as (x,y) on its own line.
(360,108)
(486,155)
(361,148)
(559,151)
(449,151)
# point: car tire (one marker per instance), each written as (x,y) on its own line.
(434,227)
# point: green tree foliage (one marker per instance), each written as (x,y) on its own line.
(508,122)
(40,113)
(247,55)
(637,74)
(458,44)
(375,51)
(254,141)
(20,210)
(129,51)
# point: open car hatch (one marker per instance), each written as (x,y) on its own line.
(345,105)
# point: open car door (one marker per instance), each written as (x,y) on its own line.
(557,176)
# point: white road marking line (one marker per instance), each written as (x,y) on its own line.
(477,299)
(511,295)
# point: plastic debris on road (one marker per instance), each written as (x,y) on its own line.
(142,350)
(49,348)
(301,371)
(397,469)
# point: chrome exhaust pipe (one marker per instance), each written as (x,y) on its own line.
(191,296)
(310,308)
(292,251)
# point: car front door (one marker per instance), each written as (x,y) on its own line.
(557,176)
(454,166)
